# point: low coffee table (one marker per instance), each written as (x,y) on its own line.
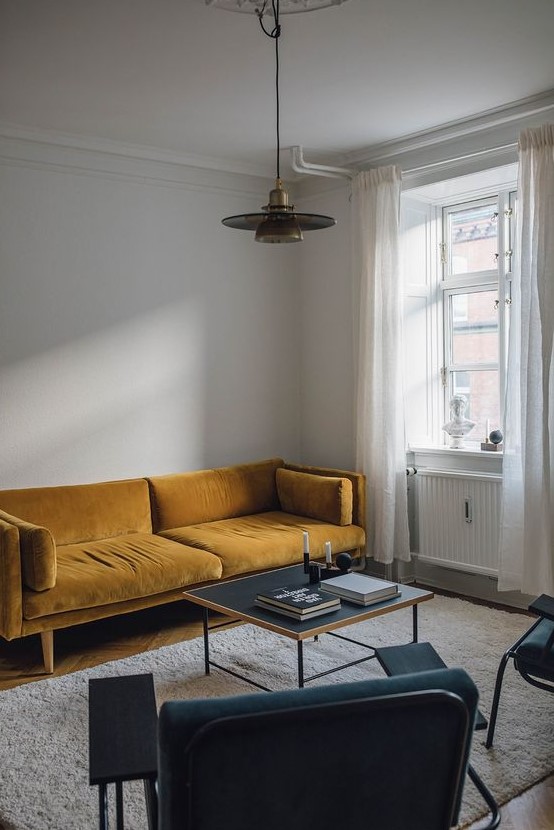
(236,597)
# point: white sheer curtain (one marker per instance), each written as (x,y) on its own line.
(380,445)
(527,531)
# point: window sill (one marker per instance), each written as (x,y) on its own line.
(471,448)
(471,458)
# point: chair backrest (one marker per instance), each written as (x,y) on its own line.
(387,754)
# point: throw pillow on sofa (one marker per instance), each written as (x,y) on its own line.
(325,498)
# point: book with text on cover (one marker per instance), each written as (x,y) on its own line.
(361,589)
(301,599)
(296,615)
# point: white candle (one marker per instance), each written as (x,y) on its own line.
(328,557)
(488,430)
(306,541)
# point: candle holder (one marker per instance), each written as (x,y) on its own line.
(319,571)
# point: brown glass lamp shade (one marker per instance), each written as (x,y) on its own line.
(279,222)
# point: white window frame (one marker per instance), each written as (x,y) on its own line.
(426,399)
(494,279)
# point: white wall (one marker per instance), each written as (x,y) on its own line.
(137,334)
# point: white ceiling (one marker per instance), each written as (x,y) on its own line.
(195,80)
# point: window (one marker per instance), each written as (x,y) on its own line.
(476,257)
(456,247)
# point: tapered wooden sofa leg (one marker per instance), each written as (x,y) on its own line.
(47,641)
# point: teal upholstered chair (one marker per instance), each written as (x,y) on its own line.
(385,754)
(533,656)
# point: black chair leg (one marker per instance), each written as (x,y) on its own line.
(496,698)
(488,798)
(151,798)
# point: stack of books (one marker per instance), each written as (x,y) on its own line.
(361,589)
(300,602)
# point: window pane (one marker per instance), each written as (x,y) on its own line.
(481,388)
(474,327)
(472,239)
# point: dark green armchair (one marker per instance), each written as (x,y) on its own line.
(385,754)
(533,656)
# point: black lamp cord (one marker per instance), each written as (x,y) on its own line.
(274,33)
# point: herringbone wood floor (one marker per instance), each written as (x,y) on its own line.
(99,642)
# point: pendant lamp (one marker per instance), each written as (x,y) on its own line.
(279,221)
(287,6)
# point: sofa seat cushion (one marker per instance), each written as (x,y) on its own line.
(112,570)
(266,540)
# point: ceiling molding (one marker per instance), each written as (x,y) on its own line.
(509,119)
(482,141)
(62,158)
(135,151)
(456,149)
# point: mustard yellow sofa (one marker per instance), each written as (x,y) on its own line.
(75,553)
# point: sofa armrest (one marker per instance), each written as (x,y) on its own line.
(358,486)
(11,609)
(38,553)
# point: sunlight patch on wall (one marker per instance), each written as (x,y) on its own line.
(127,401)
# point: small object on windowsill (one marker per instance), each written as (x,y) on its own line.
(458,427)
(494,441)
(487,446)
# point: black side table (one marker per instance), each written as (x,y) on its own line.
(123,724)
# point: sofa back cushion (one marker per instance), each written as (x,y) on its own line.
(326,498)
(358,481)
(183,499)
(38,553)
(83,512)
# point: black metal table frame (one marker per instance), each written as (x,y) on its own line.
(302,679)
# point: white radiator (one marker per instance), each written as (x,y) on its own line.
(458,517)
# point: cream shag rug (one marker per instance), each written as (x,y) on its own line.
(44,725)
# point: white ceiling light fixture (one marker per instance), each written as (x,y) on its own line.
(287,6)
(279,221)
